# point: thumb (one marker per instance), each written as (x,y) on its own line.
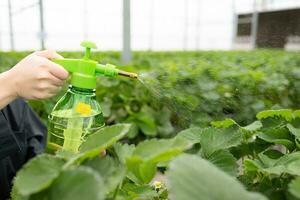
(50,54)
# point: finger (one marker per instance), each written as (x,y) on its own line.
(53,90)
(56,81)
(50,54)
(56,70)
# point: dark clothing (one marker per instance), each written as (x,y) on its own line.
(22,136)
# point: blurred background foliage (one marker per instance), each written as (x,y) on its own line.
(183,89)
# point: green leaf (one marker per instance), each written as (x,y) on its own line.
(277,136)
(110,170)
(133,191)
(15,195)
(193,178)
(165,126)
(269,157)
(286,114)
(105,137)
(123,151)
(77,184)
(146,123)
(191,134)
(253,127)
(288,163)
(133,165)
(133,131)
(65,155)
(147,154)
(160,150)
(251,166)
(37,174)
(224,123)
(293,130)
(225,161)
(98,142)
(294,187)
(106,107)
(213,139)
(147,171)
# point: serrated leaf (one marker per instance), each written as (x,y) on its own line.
(105,137)
(133,191)
(288,163)
(294,187)
(251,166)
(110,170)
(293,130)
(286,114)
(77,184)
(277,136)
(193,178)
(253,126)
(213,139)
(269,157)
(123,151)
(160,150)
(98,142)
(224,123)
(147,154)
(133,131)
(191,134)
(15,195)
(37,174)
(147,171)
(225,161)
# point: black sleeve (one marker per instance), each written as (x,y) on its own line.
(22,136)
(36,132)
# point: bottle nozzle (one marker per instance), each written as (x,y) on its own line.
(127,74)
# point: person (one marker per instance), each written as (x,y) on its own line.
(22,134)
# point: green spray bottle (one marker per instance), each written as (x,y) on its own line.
(77,114)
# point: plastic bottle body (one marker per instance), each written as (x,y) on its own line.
(75,116)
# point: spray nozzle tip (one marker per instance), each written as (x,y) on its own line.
(128,74)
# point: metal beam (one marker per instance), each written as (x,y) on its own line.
(126,53)
(254,25)
(198,24)
(234,24)
(186,24)
(42,27)
(11,30)
(151,24)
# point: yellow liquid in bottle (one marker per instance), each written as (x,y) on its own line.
(67,131)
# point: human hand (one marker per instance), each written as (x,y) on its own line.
(36,77)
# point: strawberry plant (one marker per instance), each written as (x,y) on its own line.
(257,161)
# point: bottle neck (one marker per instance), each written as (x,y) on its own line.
(82,91)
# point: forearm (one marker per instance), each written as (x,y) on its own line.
(7,93)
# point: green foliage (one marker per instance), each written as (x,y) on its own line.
(261,157)
(224,160)
(213,139)
(37,175)
(111,170)
(190,181)
(294,187)
(76,184)
(100,141)
(183,88)
(181,93)
(144,159)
